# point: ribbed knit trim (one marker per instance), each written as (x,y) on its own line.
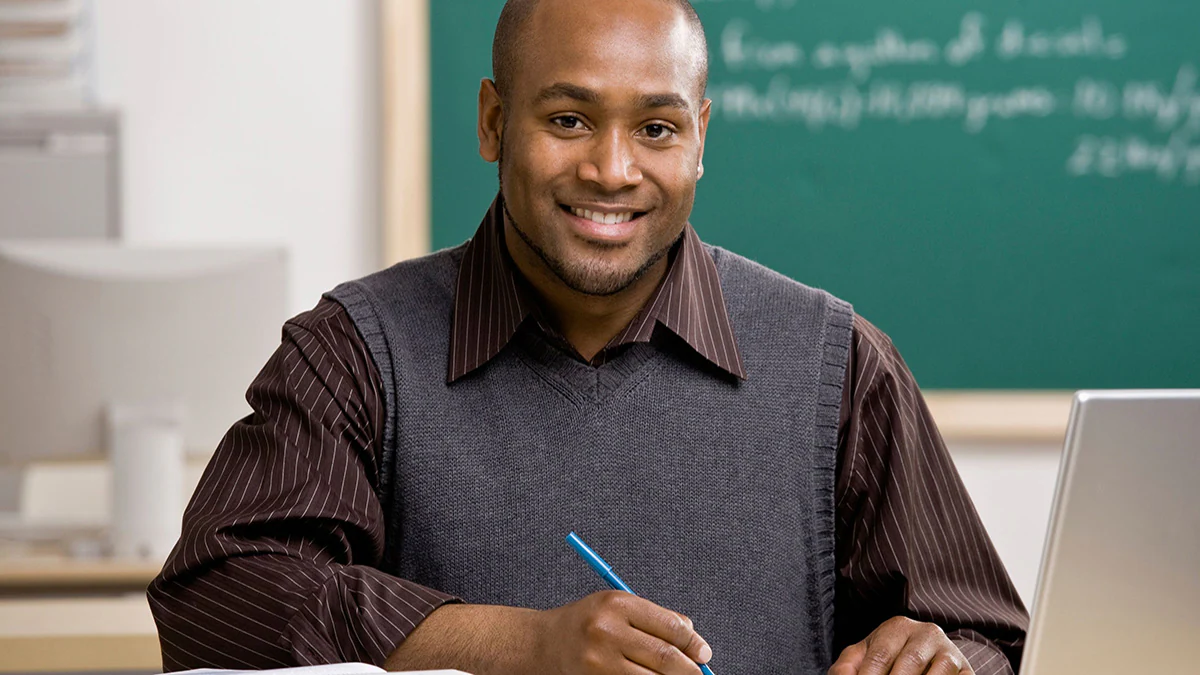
(354,297)
(836,353)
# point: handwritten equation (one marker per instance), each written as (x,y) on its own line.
(859,87)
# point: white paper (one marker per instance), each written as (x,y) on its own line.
(329,669)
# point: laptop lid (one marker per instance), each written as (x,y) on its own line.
(1119,587)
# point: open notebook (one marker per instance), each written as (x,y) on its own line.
(331,669)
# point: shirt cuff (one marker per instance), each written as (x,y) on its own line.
(985,657)
(358,614)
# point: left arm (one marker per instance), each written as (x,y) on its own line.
(909,541)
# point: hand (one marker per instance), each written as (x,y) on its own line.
(613,632)
(609,633)
(901,646)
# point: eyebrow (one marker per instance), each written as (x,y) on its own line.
(560,90)
(662,101)
(565,90)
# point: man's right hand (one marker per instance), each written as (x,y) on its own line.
(606,633)
(615,632)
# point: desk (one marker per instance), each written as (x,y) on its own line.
(72,634)
(1016,417)
(33,575)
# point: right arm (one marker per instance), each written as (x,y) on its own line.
(277,562)
(276,565)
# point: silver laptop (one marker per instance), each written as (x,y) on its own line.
(1119,589)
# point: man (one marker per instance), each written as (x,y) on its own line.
(744,449)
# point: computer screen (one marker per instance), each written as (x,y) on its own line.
(89,324)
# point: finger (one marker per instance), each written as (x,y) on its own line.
(631,668)
(850,659)
(698,649)
(883,646)
(949,663)
(671,627)
(696,643)
(916,655)
(656,655)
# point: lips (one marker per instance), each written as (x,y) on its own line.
(611,226)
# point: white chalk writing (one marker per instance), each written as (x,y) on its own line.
(741,49)
(1176,159)
(764,5)
(846,105)
(889,47)
(1087,40)
(771,80)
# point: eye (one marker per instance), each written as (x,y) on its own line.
(658,132)
(568,122)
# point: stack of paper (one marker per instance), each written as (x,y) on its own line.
(331,669)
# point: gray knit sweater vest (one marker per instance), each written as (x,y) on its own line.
(708,495)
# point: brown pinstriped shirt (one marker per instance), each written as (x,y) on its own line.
(276,564)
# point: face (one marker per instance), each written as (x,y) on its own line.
(600,141)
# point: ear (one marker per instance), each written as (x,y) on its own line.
(491,121)
(705,113)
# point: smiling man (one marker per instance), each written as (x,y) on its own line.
(754,457)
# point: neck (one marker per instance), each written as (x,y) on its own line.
(588,322)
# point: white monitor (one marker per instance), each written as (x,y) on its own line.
(89,324)
(1119,590)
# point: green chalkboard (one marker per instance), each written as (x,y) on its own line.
(1011,190)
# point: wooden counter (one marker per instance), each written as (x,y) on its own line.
(72,634)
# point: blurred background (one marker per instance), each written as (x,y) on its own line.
(1012,192)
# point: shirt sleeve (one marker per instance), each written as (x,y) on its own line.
(909,541)
(276,565)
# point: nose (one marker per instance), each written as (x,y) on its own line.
(611,164)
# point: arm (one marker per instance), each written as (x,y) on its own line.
(276,565)
(910,543)
(276,562)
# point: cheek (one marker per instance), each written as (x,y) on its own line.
(675,173)
(540,160)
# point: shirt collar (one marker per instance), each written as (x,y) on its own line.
(491,302)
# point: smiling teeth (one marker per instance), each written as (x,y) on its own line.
(603,218)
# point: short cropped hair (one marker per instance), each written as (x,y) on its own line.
(510,37)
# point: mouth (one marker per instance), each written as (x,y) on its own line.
(605,217)
(608,228)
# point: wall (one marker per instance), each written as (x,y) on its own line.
(249,122)
(237,129)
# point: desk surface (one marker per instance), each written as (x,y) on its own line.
(41,574)
(72,634)
(1001,416)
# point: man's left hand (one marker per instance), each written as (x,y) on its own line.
(902,646)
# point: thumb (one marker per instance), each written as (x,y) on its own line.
(850,660)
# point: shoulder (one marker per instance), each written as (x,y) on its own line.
(325,332)
(870,341)
(877,368)
(741,276)
(327,321)
(764,300)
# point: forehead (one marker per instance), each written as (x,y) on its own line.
(610,46)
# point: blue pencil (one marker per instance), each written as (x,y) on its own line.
(606,572)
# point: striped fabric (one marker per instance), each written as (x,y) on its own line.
(277,564)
